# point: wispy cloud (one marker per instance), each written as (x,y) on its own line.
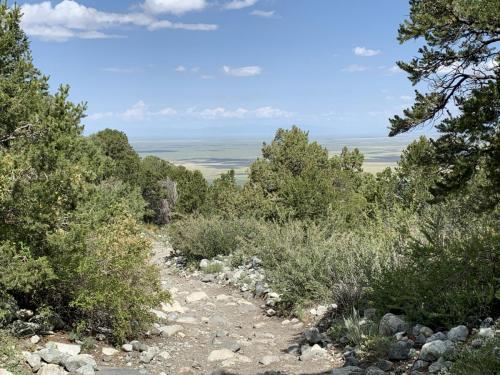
(263,13)
(68,19)
(355,68)
(180,69)
(240,4)
(140,112)
(245,71)
(120,70)
(366,52)
(177,7)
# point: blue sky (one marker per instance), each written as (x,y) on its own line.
(224,68)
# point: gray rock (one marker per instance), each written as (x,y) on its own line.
(34,360)
(420,340)
(23,329)
(372,370)
(256,262)
(311,352)
(138,346)
(208,278)
(400,350)
(24,314)
(458,333)
(51,369)
(391,324)
(148,355)
(384,365)
(477,343)
(437,336)
(441,364)
(348,370)
(73,363)
(419,329)
(431,351)
(51,355)
(127,348)
(119,371)
(220,355)
(232,345)
(419,365)
(486,323)
(85,370)
(370,314)
(293,349)
(204,263)
(313,336)
(69,349)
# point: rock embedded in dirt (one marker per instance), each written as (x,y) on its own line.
(127,348)
(171,330)
(109,351)
(220,355)
(35,339)
(196,297)
(148,355)
(138,346)
(51,355)
(310,352)
(269,359)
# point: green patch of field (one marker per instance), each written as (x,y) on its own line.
(215,156)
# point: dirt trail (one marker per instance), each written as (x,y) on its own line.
(219,329)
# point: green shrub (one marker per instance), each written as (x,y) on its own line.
(446,278)
(114,285)
(309,263)
(482,361)
(10,356)
(200,237)
(213,268)
(358,329)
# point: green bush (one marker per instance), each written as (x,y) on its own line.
(200,237)
(482,361)
(114,284)
(309,263)
(447,277)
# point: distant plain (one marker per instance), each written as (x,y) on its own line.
(215,156)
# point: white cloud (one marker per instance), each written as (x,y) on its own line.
(166,112)
(180,69)
(245,71)
(263,13)
(177,7)
(68,19)
(266,112)
(240,4)
(355,68)
(406,97)
(137,112)
(119,70)
(366,52)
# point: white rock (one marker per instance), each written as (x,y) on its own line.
(74,362)
(109,351)
(5,372)
(269,359)
(159,314)
(35,339)
(175,306)
(85,370)
(127,348)
(70,349)
(196,296)
(220,355)
(170,330)
(488,333)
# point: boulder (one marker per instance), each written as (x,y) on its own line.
(437,336)
(431,351)
(372,370)
(127,348)
(313,336)
(20,328)
(74,362)
(458,333)
(391,324)
(400,350)
(148,355)
(35,339)
(138,346)
(51,355)
(85,370)
(70,349)
(33,360)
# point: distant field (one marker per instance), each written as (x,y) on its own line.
(215,156)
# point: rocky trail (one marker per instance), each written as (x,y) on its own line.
(207,328)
